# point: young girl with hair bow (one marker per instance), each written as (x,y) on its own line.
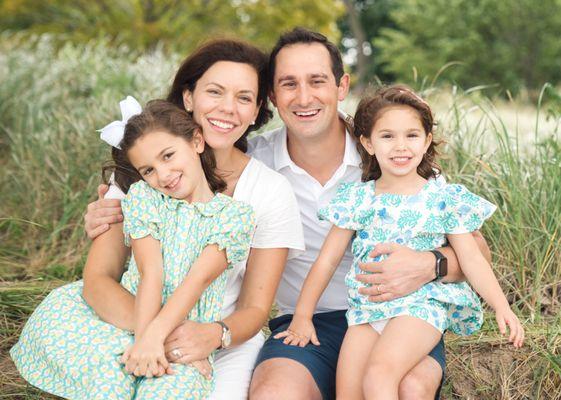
(184,235)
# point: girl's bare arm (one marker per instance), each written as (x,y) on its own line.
(149,261)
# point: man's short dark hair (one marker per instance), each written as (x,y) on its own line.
(303,35)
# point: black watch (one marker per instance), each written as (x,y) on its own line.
(441,266)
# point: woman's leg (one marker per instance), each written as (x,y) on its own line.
(353,360)
(186,382)
(404,342)
(233,369)
(65,349)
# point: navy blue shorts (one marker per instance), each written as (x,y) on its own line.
(321,361)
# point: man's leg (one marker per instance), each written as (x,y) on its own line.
(283,378)
(424,381)
(291,372)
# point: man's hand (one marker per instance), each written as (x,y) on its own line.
(401,273)
(192,341)
(101,213)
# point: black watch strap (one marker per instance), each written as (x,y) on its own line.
(441,265)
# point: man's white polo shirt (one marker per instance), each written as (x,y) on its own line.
(271,149)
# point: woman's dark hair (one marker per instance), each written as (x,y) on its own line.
(159,115)
(301,35)
(371,108)
(194,66)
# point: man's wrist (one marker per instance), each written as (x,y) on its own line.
(430,270)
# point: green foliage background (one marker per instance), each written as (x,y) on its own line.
(64,65)
(178,25)
(510,43)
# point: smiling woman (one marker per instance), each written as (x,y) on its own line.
(224,85)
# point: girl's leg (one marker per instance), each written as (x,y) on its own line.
(353,360)
(404,342)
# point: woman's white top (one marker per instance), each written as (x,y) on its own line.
(277,216)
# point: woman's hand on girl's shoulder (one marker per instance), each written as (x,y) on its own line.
(506,318)
(102,213)
(300,332)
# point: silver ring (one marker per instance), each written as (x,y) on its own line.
(176,353)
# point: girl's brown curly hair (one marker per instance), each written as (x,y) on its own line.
(371,108)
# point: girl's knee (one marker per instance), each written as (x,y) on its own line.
(378,374)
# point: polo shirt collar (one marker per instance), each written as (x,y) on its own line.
(282,158)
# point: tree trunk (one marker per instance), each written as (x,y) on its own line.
(358,33)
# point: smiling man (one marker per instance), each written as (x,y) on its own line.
(316,153)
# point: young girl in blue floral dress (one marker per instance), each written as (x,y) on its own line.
(183,234)
(401,199)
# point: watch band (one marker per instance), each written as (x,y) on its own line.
(441,265)
(226,338)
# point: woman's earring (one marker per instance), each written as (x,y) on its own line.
(188,110)
(252,123)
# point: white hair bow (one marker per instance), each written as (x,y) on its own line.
(114,132)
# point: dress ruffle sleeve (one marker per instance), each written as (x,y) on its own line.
(140,211)
(343,209)
(457,210)
(233,231)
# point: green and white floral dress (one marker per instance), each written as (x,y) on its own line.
(421,222)
(67,350)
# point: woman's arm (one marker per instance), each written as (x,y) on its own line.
(147,254)
(102,273)
(264,270)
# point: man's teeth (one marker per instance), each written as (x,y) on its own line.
(220,124)
(306,113)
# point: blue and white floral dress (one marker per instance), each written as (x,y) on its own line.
(421,222)
(67,350)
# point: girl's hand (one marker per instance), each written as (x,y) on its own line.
(146,357)
(507,317)
(300,332)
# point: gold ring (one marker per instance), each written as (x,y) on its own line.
(379,288)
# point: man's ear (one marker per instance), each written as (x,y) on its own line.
(343,88)
(188,100)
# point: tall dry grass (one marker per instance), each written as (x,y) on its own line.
(51,102)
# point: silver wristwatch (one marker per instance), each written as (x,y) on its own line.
(226,339)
